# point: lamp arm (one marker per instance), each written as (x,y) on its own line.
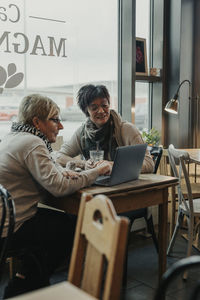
(177,92)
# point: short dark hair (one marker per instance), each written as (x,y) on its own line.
(88,93)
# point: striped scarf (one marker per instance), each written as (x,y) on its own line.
(20,127)
(101,138)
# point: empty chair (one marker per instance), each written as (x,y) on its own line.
(172,274)
(97,260)
(187,206)
(193,175)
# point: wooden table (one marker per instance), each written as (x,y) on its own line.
(194,154)
(61,291)
(148,190)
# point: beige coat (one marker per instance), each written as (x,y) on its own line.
(28,171)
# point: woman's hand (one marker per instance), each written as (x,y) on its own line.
(75,164)
(71,174)
(107,161)
(90,164)
(104,167)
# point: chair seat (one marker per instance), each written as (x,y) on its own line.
(196,206)
(59,291)
(195,192)
(195,189)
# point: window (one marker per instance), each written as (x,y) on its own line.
(142,88)
(55,47)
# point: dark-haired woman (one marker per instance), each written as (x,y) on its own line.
(103,126)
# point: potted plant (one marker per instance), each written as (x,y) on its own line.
(151,137)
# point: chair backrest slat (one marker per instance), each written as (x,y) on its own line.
(156,153)
(94,263)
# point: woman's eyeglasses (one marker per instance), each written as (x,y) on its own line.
(95,107)
(55,120)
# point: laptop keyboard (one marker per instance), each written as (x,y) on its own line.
(103,179)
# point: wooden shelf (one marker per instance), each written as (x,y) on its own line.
(148,78)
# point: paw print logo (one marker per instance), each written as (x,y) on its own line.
(10,79)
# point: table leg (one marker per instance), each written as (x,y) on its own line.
(162,233)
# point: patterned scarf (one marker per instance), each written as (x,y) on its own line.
(101,138)
(19,127)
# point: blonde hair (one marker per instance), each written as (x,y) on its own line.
(36,105)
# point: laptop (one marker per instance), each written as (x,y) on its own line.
(127,165)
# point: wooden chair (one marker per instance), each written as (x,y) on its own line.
(195,186)
(187,206)
(97,260)
(172,274)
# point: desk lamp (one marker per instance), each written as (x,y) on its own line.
(173,104)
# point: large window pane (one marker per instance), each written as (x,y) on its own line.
(142,105)
(142,89)
(56,47)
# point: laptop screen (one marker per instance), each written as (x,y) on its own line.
(127,164)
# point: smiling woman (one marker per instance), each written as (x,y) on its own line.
(103,129)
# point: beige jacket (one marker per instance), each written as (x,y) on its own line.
(28,171)
(125,133)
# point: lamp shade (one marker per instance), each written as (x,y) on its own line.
(172,106)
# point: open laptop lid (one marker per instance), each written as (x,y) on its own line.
(127,164)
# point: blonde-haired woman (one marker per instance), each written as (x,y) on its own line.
(29,173)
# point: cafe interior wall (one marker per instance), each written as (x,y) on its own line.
(182,41)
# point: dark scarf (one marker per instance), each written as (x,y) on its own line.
(93,137)
(19,127)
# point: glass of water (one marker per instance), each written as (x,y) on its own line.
(96,155)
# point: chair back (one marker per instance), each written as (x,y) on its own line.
(171,275)
(97,260)
(156,153)
(182,158)
(7,212)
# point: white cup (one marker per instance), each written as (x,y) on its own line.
(96,155)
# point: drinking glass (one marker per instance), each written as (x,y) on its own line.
(96,155)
